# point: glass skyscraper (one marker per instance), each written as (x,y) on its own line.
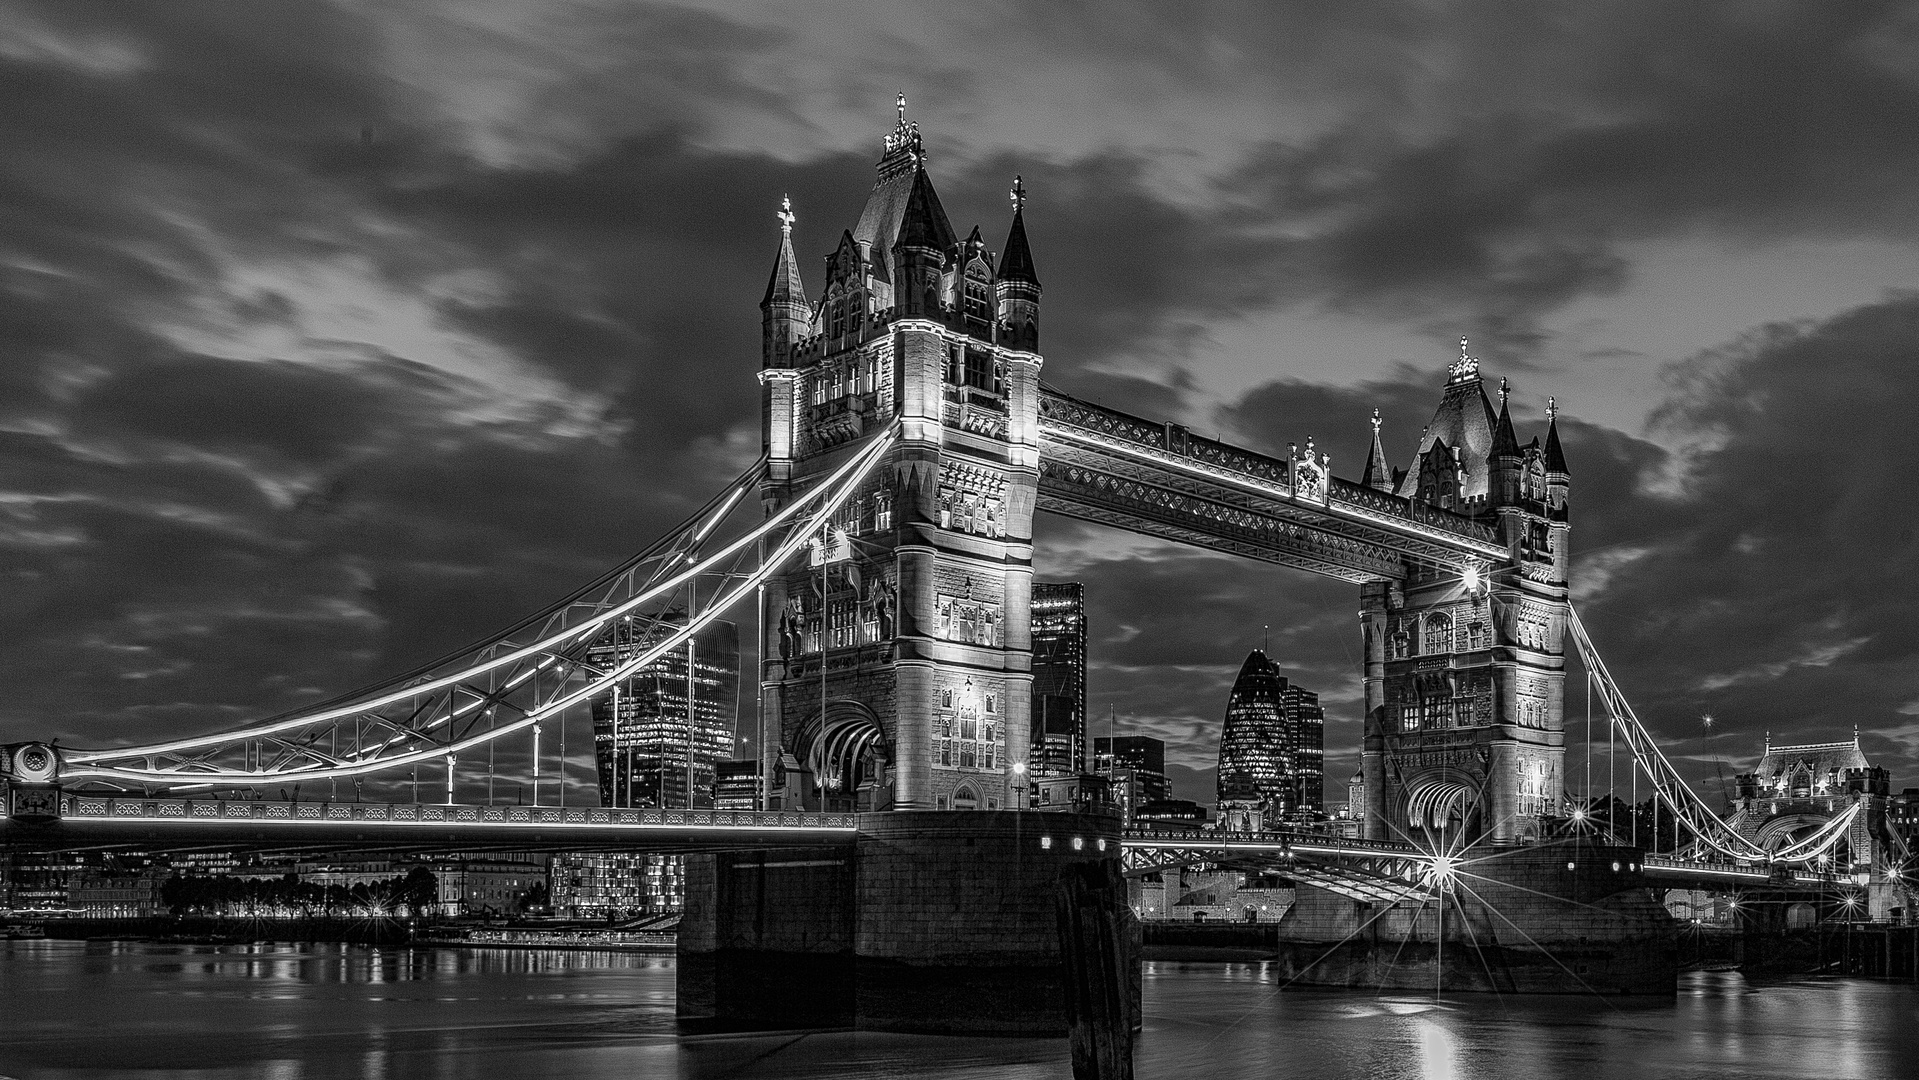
(653,748)
(1271,752)
(1058,745)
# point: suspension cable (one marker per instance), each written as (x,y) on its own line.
(825,499)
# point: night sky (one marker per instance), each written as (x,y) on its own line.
(332,337)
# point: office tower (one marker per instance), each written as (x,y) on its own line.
(652,747)
(1306,726)
(736,785)
(1141,755)
(1059,679)
(616,885)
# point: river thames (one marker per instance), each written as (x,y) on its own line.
(302,1012)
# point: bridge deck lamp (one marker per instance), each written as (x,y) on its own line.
(1472,579)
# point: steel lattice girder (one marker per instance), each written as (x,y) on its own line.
(1101,465)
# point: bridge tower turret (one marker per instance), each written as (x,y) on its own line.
(1017,286)
(896,668)
(1465,671)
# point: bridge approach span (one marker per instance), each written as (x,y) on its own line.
(95,823)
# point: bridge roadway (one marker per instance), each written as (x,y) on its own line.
(1380,871)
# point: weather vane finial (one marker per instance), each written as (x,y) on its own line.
(1552,409)
(1019,193)
(1503,390)
(1375,421)
(786,215)
(1466,367)
(903,133)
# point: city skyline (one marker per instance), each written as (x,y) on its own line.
(327,361)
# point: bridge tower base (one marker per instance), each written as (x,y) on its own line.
(1551,919)
(930,922)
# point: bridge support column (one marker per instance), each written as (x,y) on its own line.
(930,922)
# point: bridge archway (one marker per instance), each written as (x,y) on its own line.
(1441,802)
(845,749)
(1788,829)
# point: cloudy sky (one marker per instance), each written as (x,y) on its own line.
(332,337)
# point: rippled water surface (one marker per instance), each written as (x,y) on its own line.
(72,1009)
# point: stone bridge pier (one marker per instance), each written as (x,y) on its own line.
(929,922)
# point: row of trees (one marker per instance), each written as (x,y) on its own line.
(412,893)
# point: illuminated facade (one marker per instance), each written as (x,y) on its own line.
(617,886)
(1465,672)
(897,666)
(645,733)
(1059,679)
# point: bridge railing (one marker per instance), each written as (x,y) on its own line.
(207,811)
(1200,838)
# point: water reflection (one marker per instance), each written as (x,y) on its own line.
(110,1010)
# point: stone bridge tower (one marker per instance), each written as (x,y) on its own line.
(1465,672)
(896,668)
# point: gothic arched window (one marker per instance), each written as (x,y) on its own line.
(1439,635)
(979,292)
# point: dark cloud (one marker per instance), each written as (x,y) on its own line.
(1776,595)
(192,537)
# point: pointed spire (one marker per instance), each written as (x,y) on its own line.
(1375,474)
(785,285)
(1016,264)
(785,314)
(1016,284)
(1505,442)
(1555,456)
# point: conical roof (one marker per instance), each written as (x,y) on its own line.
(1505,443)
(785,285)
(1377,474)
(1555,456)
(923,220)
(1017,263)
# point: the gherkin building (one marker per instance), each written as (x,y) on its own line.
(1254,750)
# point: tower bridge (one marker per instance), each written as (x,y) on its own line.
(908,440)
